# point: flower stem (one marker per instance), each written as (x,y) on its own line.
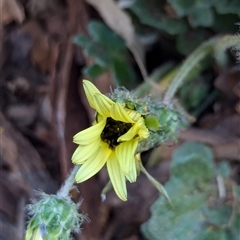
(69,182)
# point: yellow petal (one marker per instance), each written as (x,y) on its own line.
(143,130)
(138,162)
(83,152)
(138,129)
(117,177)
(143,133)
(130,134)
(93,164)
(132,177)
(103,104)
(133,114)
(125,154)
(34,234)
(118,113)
(90,90)
(90,134)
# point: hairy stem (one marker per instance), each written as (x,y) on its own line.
(217,45)
(69,182)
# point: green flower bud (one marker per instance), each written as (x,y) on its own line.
(53,218)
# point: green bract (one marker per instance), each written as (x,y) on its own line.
(53,218)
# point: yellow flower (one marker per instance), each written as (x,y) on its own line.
(112,140)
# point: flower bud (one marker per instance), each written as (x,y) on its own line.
(53,218)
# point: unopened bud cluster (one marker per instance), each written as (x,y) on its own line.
(53,218)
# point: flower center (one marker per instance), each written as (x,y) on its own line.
(113,130)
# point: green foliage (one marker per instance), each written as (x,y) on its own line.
(192,162)
(224,170)
(189,20)
(109,53)
(225,23)
(192,93)
(94,70)
(188,7)
(151,13)
(226,6)
(186,42)
(197,213)
(203,17)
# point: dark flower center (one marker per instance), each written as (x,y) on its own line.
(113,130)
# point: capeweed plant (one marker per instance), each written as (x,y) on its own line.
(126,124)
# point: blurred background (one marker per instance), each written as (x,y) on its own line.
(49,46)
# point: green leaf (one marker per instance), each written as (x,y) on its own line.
(182,7)
(234,231)
(176,223)
(189,41)
(224,169)
(106,37)
(224,23)
(212,234)
(99,54)
(149,12)
(192,93)
(227,6)
(191,218)
(123,74)
(174,26)
(217,216)
(82,40)
(94,70)
(187,7)
(108,52)
(152,13)
(189,159)
(201,17)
